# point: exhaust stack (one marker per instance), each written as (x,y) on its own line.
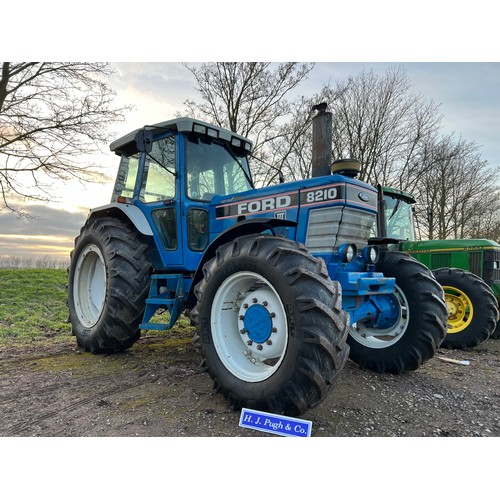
(322,141)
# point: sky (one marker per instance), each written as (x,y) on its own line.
(431,49)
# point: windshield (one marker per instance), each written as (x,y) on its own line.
(212,167)
(399,218)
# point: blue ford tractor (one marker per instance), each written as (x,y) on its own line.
(283,283)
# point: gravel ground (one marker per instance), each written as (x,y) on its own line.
(156,390)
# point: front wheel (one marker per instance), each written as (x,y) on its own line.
(270,325)
(472,311)
(420,325)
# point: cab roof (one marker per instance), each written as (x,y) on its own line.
(127,143)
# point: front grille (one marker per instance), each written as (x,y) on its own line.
(328,228)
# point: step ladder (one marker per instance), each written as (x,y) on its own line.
(165,292)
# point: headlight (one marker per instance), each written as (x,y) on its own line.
(347,252)
(370,254)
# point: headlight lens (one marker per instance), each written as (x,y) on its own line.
(370,254)
(347,252)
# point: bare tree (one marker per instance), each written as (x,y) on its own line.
(380,122)
(249,98)
(485,223)
(376,120)
(50,115)
(458,190)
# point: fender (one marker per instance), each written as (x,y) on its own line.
(243,228)
(131,212)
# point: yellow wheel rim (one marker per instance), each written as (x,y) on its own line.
(460,309)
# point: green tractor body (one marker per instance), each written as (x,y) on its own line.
(478,256)
(458,264)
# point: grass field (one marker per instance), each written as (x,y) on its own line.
(33,305)
(33,308)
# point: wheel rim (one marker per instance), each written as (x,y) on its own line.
(460,309)
(249,327)
(380,338)
(89,286)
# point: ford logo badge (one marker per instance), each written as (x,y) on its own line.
(363,197)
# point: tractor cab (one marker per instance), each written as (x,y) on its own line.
(169,173)
(396,216)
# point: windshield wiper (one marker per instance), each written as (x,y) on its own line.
(395,209)
(161,165)
(228,148)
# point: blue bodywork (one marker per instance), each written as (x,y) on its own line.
(189,225)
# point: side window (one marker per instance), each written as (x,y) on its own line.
(125,179)
(158,180)
(197,223)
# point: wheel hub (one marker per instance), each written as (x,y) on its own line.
(460,309)
(260,328)
(257,323)
(453,308)
(391,327)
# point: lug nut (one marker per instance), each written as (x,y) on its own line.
(273,315)
(242,331)
(241,317)
(259,347)
(254,300)
(245,306)
(264,303)
(249,342)
(274,329)
(269,342)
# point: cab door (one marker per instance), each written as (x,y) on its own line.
(157,197)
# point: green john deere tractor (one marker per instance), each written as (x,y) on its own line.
(468,271)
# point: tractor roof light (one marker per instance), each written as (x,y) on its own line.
(348,252)
(370,254)
(201,129)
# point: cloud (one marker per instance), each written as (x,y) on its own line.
(49,232)
(45,221)
(156,90)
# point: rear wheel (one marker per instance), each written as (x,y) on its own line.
(108,283)
(270,325)
(472,311)
(420,326)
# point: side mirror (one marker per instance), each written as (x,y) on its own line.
(144,141)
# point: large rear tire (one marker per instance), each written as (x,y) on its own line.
(270,325)
(109,277)
(472,310)
(421,325)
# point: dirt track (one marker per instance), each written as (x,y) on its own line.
(157,389)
